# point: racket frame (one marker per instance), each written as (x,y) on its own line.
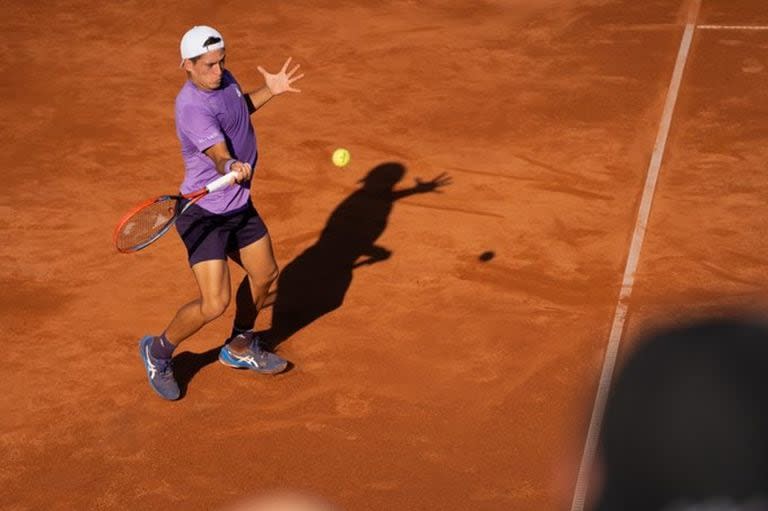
(183,202)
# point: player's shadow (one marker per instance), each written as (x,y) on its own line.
(187,364)
(316,281)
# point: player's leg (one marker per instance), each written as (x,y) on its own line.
(205,236)
(156,351)
(258,261)
(213,282)
(253,251)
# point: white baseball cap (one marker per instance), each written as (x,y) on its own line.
(193,43)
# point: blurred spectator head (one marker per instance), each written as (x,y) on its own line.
(283,501)
(686,422)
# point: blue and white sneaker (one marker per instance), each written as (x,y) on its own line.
(159,372)
(255,358)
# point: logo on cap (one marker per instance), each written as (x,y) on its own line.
(211,41)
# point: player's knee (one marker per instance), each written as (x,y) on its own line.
(212,308)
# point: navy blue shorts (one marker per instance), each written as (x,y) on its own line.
(210,236)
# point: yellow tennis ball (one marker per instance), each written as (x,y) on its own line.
(340,157)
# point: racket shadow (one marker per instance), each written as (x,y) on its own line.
(315,283)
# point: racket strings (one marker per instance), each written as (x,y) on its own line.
(146,224)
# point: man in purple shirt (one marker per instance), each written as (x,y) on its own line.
(214,128)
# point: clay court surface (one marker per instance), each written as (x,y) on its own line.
(431,380)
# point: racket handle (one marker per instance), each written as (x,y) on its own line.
(221,182)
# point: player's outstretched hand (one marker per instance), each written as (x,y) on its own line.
(281,81)
(433,185)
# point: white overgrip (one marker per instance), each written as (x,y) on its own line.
(221,182)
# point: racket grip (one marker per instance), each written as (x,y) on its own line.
(221,182)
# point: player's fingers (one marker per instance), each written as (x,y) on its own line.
(292,71)
(293,90)
(261,70)
(285,66)
(296,78)
(238,168)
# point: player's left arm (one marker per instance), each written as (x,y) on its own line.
(257,98)
(274,85)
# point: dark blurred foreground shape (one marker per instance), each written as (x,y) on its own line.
(686,423)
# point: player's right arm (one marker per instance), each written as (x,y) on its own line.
(219,153)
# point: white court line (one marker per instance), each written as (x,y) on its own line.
(732,27)
(609,363)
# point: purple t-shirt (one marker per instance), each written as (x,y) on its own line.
(205,118)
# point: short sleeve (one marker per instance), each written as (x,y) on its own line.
(199,126)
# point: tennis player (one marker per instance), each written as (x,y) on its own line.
(214,127)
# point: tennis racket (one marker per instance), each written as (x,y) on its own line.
(147,222)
